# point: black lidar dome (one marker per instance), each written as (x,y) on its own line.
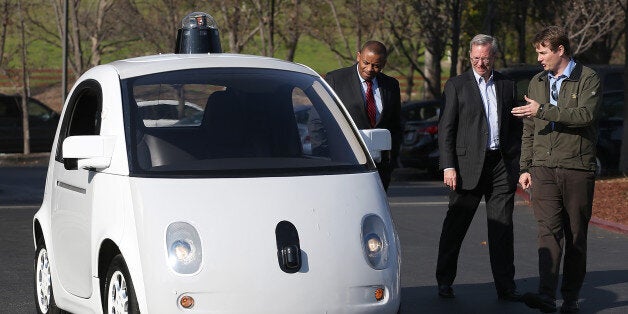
(198,34)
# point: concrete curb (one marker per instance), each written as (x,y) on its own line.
(21,160)
(608,225)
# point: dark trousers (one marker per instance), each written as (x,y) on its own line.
(498,192)
(562,200)
(385,169)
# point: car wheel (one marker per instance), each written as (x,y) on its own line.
(43,281)
(120,294)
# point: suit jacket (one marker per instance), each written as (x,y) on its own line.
(346,84)
(463,128)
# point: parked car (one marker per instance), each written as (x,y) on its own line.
(611,130)
(41,119)
(611,113)
(231,214)
(419,148)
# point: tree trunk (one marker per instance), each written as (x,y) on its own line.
(520,24)
(623,156)
(409,84)
(294,30)
(25,93)
(455,37)
(432,75)
(75,38)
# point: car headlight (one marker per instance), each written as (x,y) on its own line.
(374,241)
(183,245)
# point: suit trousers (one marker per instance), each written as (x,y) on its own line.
(498,192)
(385,169)
(562,200)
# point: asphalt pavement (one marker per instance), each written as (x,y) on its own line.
(418,205)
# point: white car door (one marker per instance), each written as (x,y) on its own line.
(72,194)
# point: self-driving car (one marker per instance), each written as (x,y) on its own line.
(229,212)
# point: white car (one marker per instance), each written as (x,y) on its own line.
(228,214)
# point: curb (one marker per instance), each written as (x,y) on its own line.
(21,160)
(608,225)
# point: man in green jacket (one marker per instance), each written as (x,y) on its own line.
(558,165)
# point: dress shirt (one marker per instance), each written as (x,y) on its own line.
(558,80)
(376,93)
(487,90)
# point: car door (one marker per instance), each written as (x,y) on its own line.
(10,126)
(42,122)
(72,194)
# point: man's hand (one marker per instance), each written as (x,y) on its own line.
(449,178)
(525,179)
(527,111)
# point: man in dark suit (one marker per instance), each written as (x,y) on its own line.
(479,143)
(372,98)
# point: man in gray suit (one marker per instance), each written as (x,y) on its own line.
(372,98)
(479,143)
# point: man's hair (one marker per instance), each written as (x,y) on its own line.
(376,47)
(481,40)
(552,37)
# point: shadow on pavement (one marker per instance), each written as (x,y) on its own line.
(596,296)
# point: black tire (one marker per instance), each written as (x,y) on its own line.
(118,279)
(44,296)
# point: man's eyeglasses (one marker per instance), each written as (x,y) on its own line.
(478,59)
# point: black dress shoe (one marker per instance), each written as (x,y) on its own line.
(570,307)
(542,302)
(510,295)
(445,291)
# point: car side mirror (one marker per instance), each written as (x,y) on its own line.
(88,151)
(376,140)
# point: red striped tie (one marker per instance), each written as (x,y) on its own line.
(370,103)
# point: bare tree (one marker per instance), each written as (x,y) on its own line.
(435,19)
(236,21)
(587,21)
(266,11)
(292,26)
(346,27)
(25,125)
(6,13)
(404,27)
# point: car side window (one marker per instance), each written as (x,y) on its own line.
(38,111)
(614,81)
(9,115)
(82,116)
(612,106)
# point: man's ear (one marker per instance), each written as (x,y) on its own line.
(357,57)
(561,50)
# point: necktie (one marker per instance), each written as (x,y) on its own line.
(554,91)
(370,103)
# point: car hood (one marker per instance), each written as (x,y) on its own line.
(236,217)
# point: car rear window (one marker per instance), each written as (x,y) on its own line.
(237,122)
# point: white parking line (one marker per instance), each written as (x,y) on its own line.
(18,206)
(418,203)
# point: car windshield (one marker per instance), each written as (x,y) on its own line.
(237,122)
